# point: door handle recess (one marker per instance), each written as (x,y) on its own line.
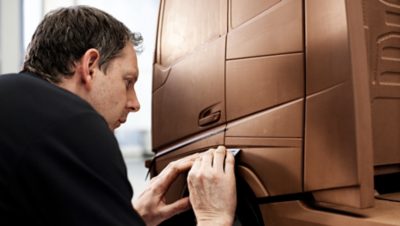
(210,118)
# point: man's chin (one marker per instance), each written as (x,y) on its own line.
(114,127)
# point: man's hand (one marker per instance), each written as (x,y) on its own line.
(212,188)
(151,205)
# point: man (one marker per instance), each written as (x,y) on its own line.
(59,161)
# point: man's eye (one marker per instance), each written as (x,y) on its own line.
(128,84)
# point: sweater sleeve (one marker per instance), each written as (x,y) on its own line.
(74,174)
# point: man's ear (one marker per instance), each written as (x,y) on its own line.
(89,65)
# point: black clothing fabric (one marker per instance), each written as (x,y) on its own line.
(60,164)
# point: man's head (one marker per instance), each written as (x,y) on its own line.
(65,34)
(89,53)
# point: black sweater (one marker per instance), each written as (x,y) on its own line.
(59,162)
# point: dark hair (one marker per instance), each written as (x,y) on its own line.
(66,34)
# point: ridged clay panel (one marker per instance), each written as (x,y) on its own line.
(275,31)
(260,83)
(194,84)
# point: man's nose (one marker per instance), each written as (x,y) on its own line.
(133,102)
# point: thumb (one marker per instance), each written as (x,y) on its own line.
(177,207)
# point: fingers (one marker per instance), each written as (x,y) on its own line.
(171,172)
(229,163)
(176,208)
(219,158)
(214,159)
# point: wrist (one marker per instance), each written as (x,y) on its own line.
(218,221)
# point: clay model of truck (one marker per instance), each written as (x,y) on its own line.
(309,90)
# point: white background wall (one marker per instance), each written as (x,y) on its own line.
(10,36)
